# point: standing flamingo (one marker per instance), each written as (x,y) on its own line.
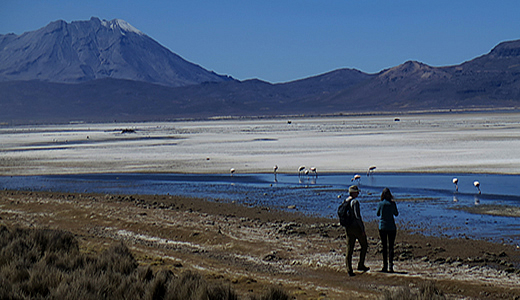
(300,170)
(356,177)
(314,171)
(275,168)
(455,182)
(371,170)
(477,185)
(232,171)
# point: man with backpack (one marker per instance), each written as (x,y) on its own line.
(350,217)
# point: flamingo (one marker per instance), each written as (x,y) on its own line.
(301,169)
(455,182)
(232,171)
(275,168)
(477,185)
(371,170)
(314,171)
(356,177)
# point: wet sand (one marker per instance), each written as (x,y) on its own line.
(446,143)
(494,210)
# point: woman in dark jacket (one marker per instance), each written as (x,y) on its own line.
(386,210)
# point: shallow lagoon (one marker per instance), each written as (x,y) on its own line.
(428,203)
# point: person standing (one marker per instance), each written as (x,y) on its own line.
(356,231)
(386,210)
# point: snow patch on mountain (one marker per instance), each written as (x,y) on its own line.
(122,25)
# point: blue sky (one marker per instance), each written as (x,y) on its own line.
(280,41)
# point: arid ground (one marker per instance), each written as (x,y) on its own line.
(251,248)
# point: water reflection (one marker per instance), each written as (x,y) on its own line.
(307,180)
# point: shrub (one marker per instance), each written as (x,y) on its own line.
(427,291)
(191,286)
(117,259)
(274,293)
(47,264)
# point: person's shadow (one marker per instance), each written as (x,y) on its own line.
(395,272)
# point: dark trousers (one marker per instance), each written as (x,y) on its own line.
(353,234)
(388,240)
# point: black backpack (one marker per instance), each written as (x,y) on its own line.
(345,213)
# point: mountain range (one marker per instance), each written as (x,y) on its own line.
(99,71)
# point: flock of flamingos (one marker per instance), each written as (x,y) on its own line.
(312,171)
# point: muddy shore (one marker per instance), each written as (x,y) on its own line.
(251,248)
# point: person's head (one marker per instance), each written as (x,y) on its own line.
(386,195)
(353,190)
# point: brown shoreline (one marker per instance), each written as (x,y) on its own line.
(251,248)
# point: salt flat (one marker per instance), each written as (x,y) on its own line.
(450,142)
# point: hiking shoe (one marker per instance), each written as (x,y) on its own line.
(351,273)
(384,270)
(363,268)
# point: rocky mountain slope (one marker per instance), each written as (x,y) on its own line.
(86,50)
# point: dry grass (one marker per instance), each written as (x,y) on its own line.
(47,264)
(426,291)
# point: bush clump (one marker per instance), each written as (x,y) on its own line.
(426,291)
(47,264)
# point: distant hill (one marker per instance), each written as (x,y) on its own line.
(125,100)
(491,80)
(98,71)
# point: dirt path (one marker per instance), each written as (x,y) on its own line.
(253,248)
